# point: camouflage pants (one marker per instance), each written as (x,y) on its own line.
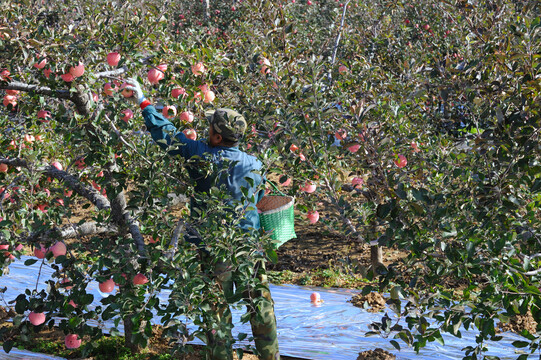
(261,312)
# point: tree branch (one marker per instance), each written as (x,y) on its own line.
(88,192)
(36,89)
(122,217)
(179,230)
(71,231)
(80,98)
(533,272)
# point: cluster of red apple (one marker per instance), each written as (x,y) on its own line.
(11,95)
(108,285)
(71,341)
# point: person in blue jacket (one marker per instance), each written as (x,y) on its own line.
(226,127)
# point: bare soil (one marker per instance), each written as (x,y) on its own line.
(519,323)
(376,354)
(373,302)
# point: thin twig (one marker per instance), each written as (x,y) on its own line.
(337,42)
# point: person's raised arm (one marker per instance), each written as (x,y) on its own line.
(162,130)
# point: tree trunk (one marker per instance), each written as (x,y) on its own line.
(128,336)
(376,257)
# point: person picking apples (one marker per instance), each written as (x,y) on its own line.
(226,128)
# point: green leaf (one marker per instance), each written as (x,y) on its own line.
(273,257)
(240,353)
(395,344)
(439,338)
(30,262)
(395,293)
(536,187)
(383,210)
(520,344)
(8,345)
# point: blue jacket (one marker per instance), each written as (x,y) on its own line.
(240,164)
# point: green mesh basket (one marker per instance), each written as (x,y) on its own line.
(276,217)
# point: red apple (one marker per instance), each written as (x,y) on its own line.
(67,77)
(29,138)
(125,92)
(41,64)
(209,97)
(68,283)
(169,112)
(139,279)
(177,92)
(107,286)
(198,69)
(113,58)
(58,249)
(4,75)
(77,70)
(36,318)
(357,182)
(3,168)
(354,148)
(190,134)
(44,114)
(186,116)
(47,72)
(315,297)
(341,134)
(128,114)
(264,61)
(287,182)
(313,216)
(401,161)
(309,187)
(40,252)
(108,89)
(10,99)
(72,341)
(80,164)
(57,165)
(155,75)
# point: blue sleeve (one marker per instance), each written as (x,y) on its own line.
(169,138)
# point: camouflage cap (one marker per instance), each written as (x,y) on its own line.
(228,123)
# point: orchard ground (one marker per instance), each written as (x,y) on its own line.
(316,258)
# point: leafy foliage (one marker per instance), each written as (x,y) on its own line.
(435,111)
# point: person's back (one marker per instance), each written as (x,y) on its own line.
(240,165)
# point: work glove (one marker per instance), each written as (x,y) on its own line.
(136,88)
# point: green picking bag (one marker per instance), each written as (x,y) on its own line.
(276,216)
